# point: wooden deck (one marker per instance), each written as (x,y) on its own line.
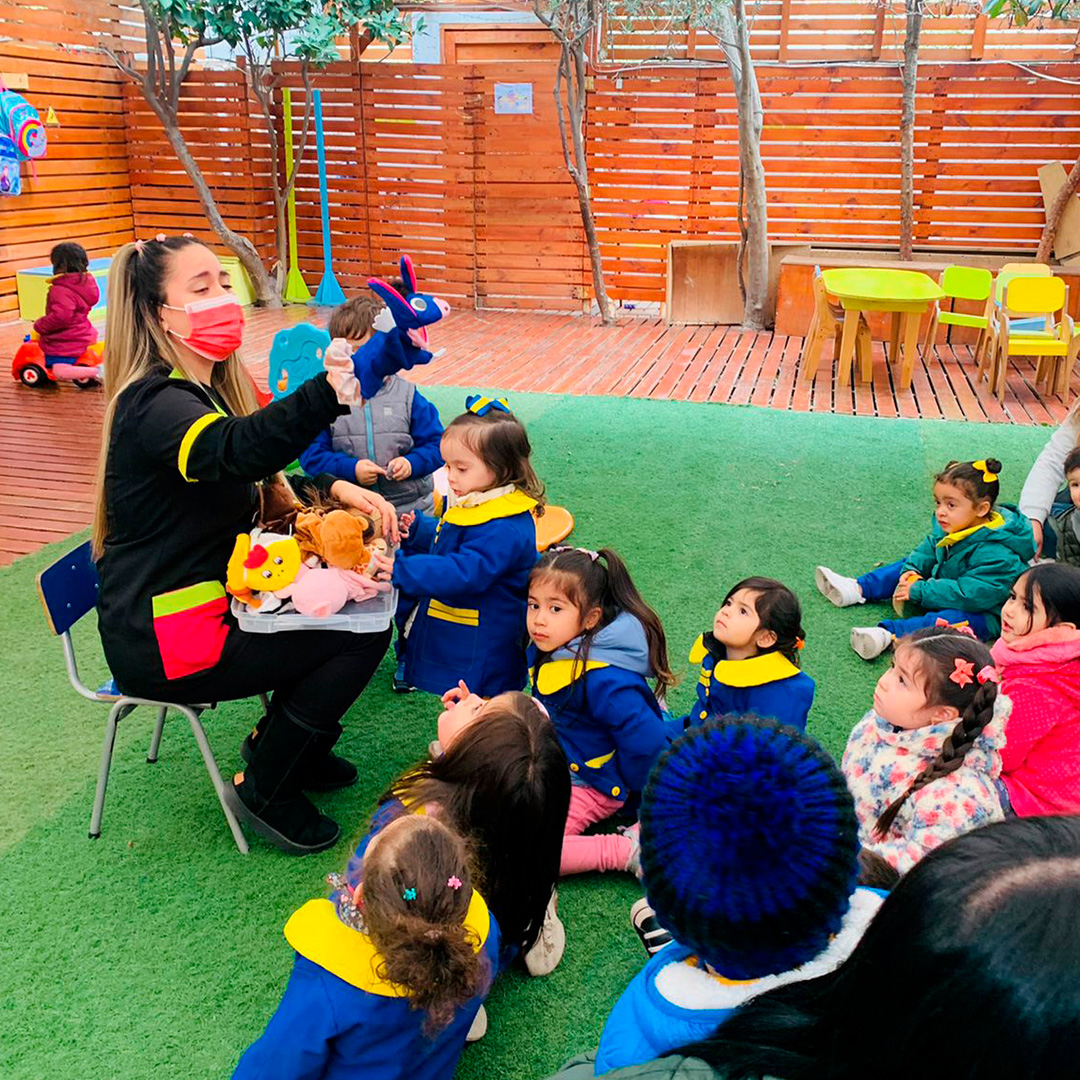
(49,438)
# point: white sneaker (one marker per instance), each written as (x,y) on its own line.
(840,590)
(870,641)
(479,1026)
(633,860)
(543,958)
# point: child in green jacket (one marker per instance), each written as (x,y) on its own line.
(959,575)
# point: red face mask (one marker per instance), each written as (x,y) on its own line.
(217,326)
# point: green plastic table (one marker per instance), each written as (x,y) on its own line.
(908,294)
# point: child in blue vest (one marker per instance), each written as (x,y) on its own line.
(749,855)
(596,645)
(960,574)
(750,659)
(468,572)
(390,443)
(390,973)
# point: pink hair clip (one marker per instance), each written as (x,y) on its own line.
(964,672)
(453,882)
(960,628)
(988,674)
(160,238)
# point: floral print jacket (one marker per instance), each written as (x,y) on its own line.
(881,762)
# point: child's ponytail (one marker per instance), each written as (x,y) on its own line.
(622,595)
(417,888)
(975,691)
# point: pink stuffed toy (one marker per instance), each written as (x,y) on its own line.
(323,591)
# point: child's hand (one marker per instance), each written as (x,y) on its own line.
(337,360)
(399,469)
(903,590)
(405,522)
(456,694)
(381,567)
(367,472)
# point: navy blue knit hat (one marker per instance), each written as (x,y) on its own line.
(749,845)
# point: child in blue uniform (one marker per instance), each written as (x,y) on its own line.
(390,973)
(596,644)
(468,573)
(749,848)
(750,659)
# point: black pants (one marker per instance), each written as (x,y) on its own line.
(315,676)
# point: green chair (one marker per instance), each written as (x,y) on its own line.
(969,283)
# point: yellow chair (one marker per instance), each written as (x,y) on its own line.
(985,348)
(1056,347)
(970,283)
(828,322)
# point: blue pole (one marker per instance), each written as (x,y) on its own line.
(329,293)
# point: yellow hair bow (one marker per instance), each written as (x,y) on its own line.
(988,476)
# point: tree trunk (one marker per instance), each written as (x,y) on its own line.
(1055,212)
(753,256)
(241,246)
(572,74)
(907,127)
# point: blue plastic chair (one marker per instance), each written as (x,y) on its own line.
(68,590)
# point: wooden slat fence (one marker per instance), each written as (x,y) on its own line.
(663,159)
(82,189)
(225,131)
(787,31)
(69,23)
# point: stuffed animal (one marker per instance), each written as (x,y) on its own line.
(261,568)
(404,346)
(324,591)
(339,538)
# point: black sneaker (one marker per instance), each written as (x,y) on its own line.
(330,773)
(653,936)
(292,824)
(400,685)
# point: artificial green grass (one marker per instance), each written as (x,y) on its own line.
(157,950)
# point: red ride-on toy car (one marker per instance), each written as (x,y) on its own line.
(30,369)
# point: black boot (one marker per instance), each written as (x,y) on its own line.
(269,798)
(329,773)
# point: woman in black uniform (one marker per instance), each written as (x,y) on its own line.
(184,448)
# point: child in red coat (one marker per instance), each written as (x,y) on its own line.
(1039,660)
(64,331)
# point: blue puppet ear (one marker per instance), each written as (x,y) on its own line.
(403,314)
(408,275)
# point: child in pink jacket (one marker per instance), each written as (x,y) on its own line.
(65,331)
(1039,660)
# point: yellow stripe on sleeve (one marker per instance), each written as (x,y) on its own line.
(188,441)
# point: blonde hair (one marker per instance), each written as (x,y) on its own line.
(136,344)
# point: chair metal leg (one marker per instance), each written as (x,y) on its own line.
(155,739)
(215,775)
(116,714)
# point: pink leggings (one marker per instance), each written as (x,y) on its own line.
(608,851)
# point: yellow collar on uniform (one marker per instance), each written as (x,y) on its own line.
(995,522)
(698,652)
(756,671)
(556,675)
(317,934)
(516,502)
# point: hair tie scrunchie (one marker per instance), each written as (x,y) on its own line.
(988,476)
(479,405)
(988,674)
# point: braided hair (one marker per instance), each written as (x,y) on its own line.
(938,650)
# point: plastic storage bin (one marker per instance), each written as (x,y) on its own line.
(367,617)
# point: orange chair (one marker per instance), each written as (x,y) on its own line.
(828,322)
